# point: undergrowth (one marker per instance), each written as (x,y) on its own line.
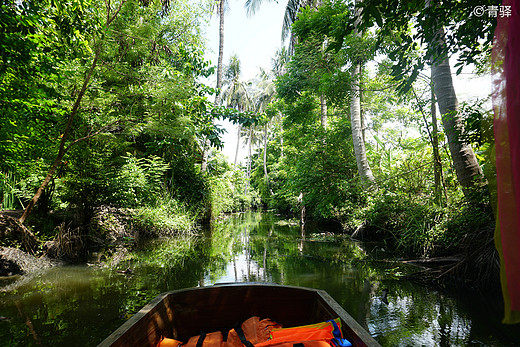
(423,228)
(166,217)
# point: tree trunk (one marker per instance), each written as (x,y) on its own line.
(220,51)
(281,136)
(238,143)
(437,164)
(469,173)
(62,150)
(355,118)
(205,155)
(302,213)
(362,114)
(323,103)
(248,170)
(265,158)
(206,144)
(357,132)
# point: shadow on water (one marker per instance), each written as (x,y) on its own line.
(82,305)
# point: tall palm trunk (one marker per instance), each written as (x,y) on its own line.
(205,143)
(248,170)
(265,158)
(437,164)
(220,50)
(355,120)
(357,131)
(469,173)
(238,143)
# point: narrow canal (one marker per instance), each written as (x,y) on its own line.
(81,305)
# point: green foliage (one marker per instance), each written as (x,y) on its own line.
(318,164)
(35,37)
(302,111)
(227,186)
(326,172)
(138,181)
(470,37)
(166,217)
(411,224)
(7,191)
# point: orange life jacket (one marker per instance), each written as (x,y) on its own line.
(266,333)
(249,333)
(324,334)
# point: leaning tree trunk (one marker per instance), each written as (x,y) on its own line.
(469,173)
(62,150)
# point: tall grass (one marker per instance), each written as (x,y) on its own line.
(7,191)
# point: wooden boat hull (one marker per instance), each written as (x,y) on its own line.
(185,313)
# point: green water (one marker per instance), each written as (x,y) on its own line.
(81,305)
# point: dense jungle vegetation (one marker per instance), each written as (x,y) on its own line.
(102,101)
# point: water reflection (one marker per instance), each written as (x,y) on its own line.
(82,305)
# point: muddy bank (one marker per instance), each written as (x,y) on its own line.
(104,238)
(18,267)
(16,262)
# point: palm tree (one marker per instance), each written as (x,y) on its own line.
(279,62)
(266,93)
(291,11)
(220,8)
(355,119)
(254,136)
(469,173)
(235,93)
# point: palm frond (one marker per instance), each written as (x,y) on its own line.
(253,5)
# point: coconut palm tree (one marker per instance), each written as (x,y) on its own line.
(220,10)
(235,93)
(266,94)
(220,7)
(254,136)
(469,173)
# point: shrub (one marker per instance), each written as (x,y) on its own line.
(167,217)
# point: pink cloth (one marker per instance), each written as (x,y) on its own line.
(506,105)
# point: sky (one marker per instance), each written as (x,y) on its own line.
(255,40)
